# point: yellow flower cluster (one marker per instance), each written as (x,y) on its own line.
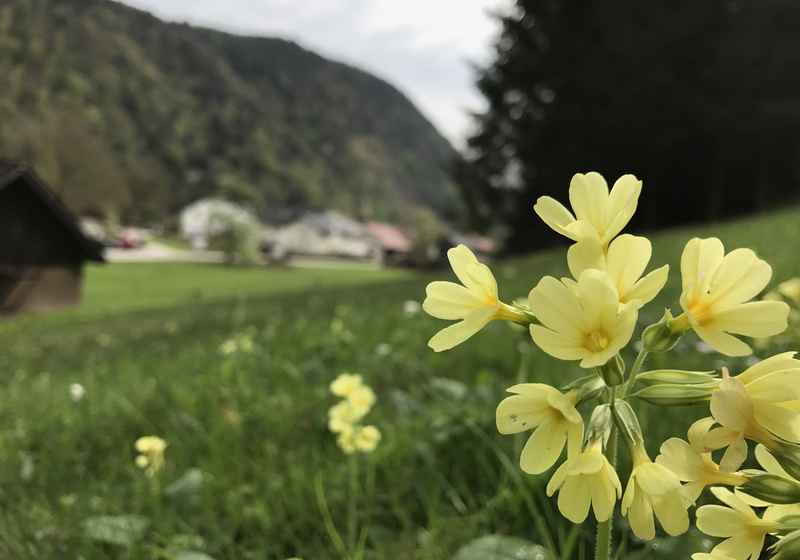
(151,454)
(344,417)
(590,319)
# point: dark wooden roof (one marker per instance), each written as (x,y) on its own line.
(15,175)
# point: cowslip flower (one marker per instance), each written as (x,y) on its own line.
(790,289)
(361,399)
(625,261)
(653,489)
(547,411)
(345,384)
(366,438)
(712,556)
(744,532)
(474,302)
(692,462)
(599,214)
(717,289)
(584,322)
(585,479)
(344,415)
(759,404)
(151,454)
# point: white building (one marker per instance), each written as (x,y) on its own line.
(205,218)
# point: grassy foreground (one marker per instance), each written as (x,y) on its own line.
(250,466)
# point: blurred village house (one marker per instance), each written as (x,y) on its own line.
(324,234)
(43,250)
(204,219)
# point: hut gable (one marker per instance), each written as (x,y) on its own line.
(42,248)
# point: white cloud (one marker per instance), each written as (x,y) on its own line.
(421,46)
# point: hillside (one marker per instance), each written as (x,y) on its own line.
(167,113)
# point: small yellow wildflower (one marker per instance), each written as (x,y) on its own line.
(583,323)
(362,399)
(551,413)
(474,302)
(366,438)
(652,488)
(345,384)
(151,454)
(790,289)
(759,404)
(717,289)
(346,440)
(599,215)
(692,462)
(712,556)
(744,532)
(625,261)
(343,415)
(586,478)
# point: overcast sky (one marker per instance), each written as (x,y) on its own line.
(421,46)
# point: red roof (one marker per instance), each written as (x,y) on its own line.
(390,237)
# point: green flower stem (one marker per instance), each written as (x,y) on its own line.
(327,519)
(352,512)
(605,529)
(635,370)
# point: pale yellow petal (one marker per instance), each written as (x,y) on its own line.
(681,459)
(781,421)
(454,335)
(555,215)
(622,202)
(744,546)
(769,463)
(628,256)
(646,289)
(755,319)
(558,478)
(474,275)
(585,254)
(450,301)
(697,433)
(735,456)
(521,412)
(741,276)
(588,195)
(722,342)
(731,406)
(699,261)
(777,386)
(556,306)
(603,497)
(561,346)
(720,521)
(730,499)
(672,513)
(542,449)
(656,480)
(778,362)
(641,519)
(574,499)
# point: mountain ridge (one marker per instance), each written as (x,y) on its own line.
(200,112)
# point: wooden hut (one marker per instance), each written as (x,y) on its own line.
(42,248)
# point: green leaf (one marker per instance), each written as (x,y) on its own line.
(121,530)
(499,547)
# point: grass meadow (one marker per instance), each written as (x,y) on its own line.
(251,469)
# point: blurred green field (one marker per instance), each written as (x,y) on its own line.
(247,433)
